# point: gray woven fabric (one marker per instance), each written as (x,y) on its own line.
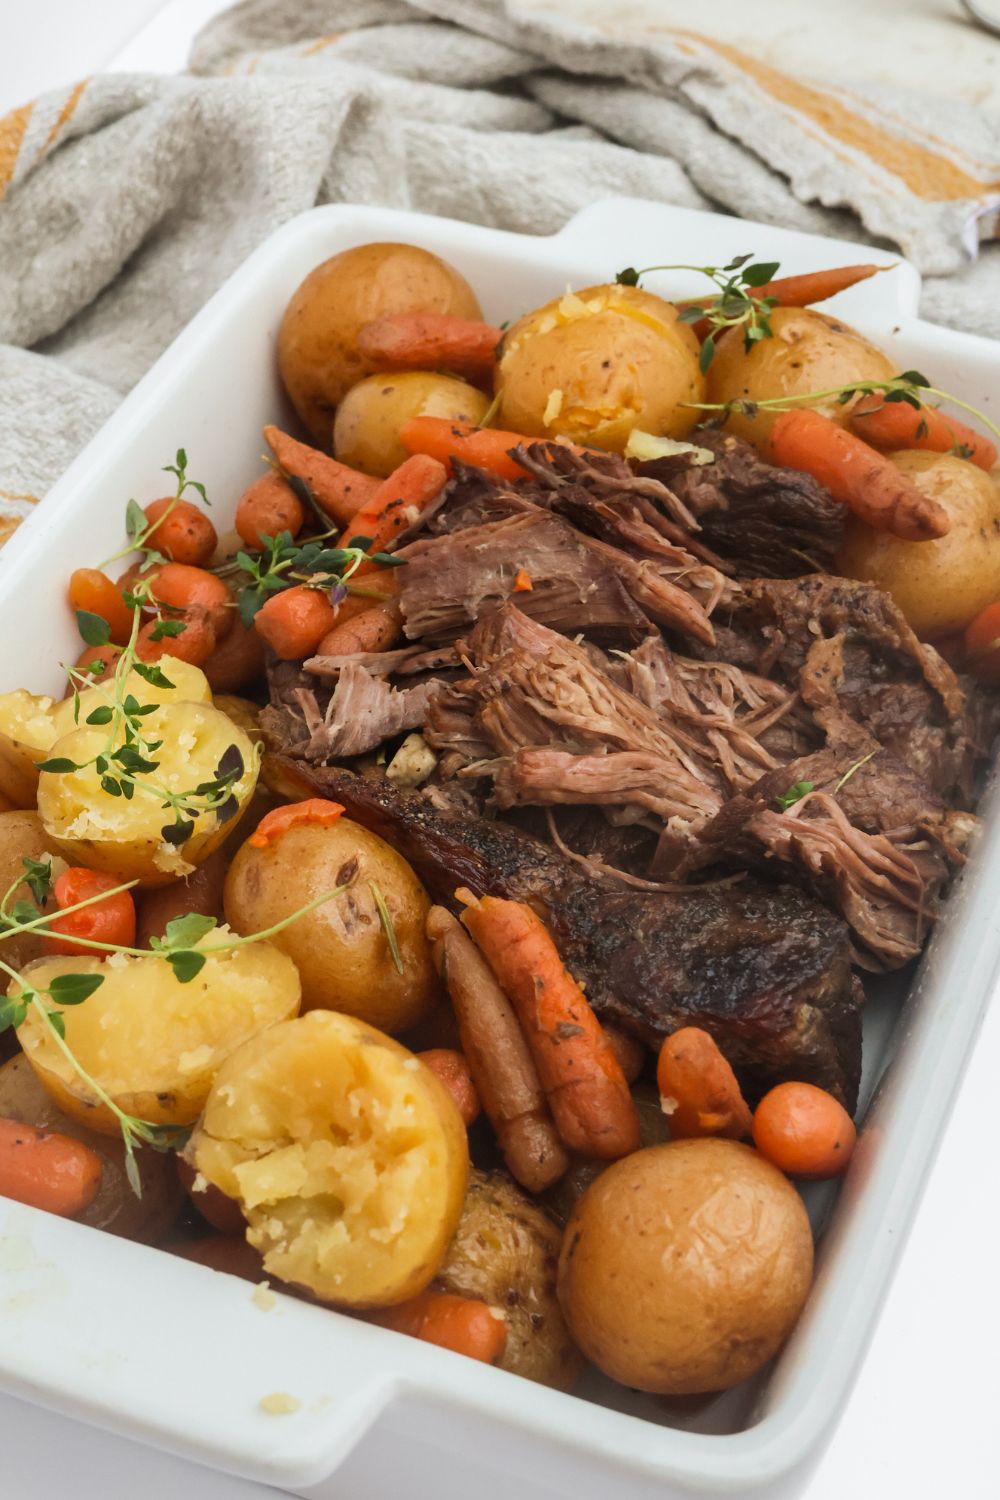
(125,203)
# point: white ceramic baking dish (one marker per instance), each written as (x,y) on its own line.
(177,1356)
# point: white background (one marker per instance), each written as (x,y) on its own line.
(923,1419)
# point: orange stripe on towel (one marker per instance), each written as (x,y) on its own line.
(12,128)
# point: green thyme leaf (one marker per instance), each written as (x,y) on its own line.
(186,964)
(57,1023)
(74,989)
(628,277)
(186,931)
(794,794)
(94,629)
(166,629)
(102,715)
(707,353)
(761,273)
(152,674)
(38,878)
(135,520)
(58,764)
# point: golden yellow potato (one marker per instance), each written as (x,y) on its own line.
(21,836)
(685,1266)
(346,1153)
(808,351)
(26,732)
(341,949)
(366,429)
(150,1042)
(593,365)
(116,1208)
(124,836)
(940,586)
(244,713)
(318,356)
(188,684)
(505,1252)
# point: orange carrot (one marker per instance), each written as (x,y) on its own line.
(339,490)
(795,291)
(522,582)
(891,425)
(397,503)
(91,590)
(698,1089)
(194,644)
(181,531)
(104,658)
(462,1324)
(855,474)
(295,621)
(583,1081)
(451,1067)
(267,507)
(179,587)
(804,1130)
(318,812)
(982,646)
(483,447)
(109,921)
(429,341)
(376,628)
(47,1170)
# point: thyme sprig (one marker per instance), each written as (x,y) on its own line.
(283,563)
(388,927)
(910,387)
(734,305)
(139,529)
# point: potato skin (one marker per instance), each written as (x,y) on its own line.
(506,1252)
(348,1156)
(685,1266)
(940,586)
(808,351)
(318,356)
(366,429)
(340,949)
(21,835)
(616,358)
(116,1207)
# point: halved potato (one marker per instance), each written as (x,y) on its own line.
(152,1043)
(22,836)
(347,1154)
(26,732)
(188,684)
(125,836)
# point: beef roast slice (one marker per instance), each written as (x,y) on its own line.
(765,968)
(767,522)
(306,718)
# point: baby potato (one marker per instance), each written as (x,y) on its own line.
(318,356)
(340,949)
(152,1043)
(593,365)
(116,1207)
(188,684)
(366,429)
(124,836)
(26,732)
(22,836)
(940,586)
(808,351)
(685,1266)
(347,1155)
(505,1252)
(244,713)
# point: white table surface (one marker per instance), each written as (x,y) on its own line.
(922,1420)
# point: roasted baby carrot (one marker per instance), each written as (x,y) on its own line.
(318,812)
(97,663)
(195,643)
(179,588)
(295,621)
(109,921)
(181,531)
(858,476)
(375,628)
(698,1089)
(451,1067)
(266,507)
(47,1170)
(483,447)
(501,1065)
(462,1324)
(429,341)
(891,425)
(337,489)
(583,1081)
(815,286)
(397,503)
(93,591)
(804,1130)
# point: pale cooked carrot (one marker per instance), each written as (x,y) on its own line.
(318,812)
(429,341)
(583,1081)
(337,489)
(375,628)
(501,1065)
(483,447)
(699,1093)
(448,1064)
(295,621)
(397,503)
(892,425)
(857,475)
(47,1169)
(267,507)
(462,1324)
